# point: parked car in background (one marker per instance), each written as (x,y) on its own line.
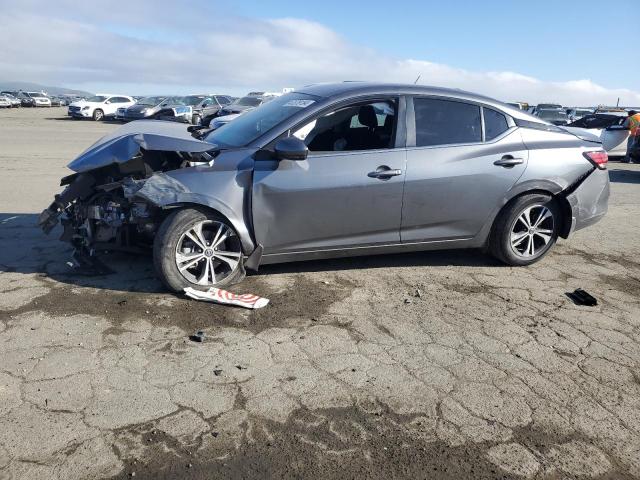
(608,127)
(15,101)
(519,105)
(160,107)
(333,170)
(26,100)
(34,99)
(556,116)
(58,101)
(99,106)
(205,107)
(577,113)
(238,107)
(545,106)
(5,102)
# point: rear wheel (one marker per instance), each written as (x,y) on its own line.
(198,249)
(98,114)
(195,119)
(526,229)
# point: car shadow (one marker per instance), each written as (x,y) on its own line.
(25,249)
(624,176)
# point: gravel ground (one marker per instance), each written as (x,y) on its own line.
(430,365)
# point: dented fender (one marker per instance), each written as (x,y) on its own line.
(227,192)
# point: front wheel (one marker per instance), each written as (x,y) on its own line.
(98,114)
(195,119)
(525,229)
(198,249)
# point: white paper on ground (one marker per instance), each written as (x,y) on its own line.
(218,295)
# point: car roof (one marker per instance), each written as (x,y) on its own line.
(354,88)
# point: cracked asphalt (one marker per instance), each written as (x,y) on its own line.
(427,365)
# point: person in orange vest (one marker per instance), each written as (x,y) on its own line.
(633,124)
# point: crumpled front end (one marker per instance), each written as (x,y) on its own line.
(103,206)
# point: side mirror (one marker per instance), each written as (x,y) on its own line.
(291,148)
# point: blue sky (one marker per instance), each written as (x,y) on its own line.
(553,40)
(571,51)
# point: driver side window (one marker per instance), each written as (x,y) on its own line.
(363,126)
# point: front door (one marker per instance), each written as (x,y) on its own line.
(347,193)
(466,157)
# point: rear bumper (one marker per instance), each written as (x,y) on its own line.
(590,201)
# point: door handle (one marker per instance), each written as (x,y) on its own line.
(383,173)
(509,161)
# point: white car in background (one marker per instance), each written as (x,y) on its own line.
(15,102)
(99,106)
(39,99)
(5,102)
(608,127)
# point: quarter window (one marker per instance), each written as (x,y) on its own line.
(356,127)
(446,122)
(495,124)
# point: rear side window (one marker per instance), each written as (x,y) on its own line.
(495,124)
(446,122)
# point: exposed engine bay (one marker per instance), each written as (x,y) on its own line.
(106,209)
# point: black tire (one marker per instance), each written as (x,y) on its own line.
(98,115)
(510,221)
(195,119)
(166,243)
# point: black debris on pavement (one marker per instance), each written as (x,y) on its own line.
(197,337)
(580,297)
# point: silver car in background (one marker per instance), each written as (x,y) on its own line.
(159,107)
(333,170)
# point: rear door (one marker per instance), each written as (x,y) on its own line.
(461,160)
(347,193)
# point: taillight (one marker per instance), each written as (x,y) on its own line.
(599,158)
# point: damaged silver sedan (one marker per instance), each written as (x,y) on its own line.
(332,170)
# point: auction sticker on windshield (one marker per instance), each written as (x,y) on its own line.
(300,103)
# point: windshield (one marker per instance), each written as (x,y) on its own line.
(36,95)
(97,99)
(151,101)
(552,115)
(248,101)
(249,126)
(193,100)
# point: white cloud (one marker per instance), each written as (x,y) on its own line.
(179,47)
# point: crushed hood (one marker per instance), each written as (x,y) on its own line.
(125,142)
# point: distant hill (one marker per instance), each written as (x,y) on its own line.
(36,87)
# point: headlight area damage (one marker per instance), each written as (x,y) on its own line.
(112,202)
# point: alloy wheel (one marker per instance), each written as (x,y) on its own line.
(532,231)
(208,252)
